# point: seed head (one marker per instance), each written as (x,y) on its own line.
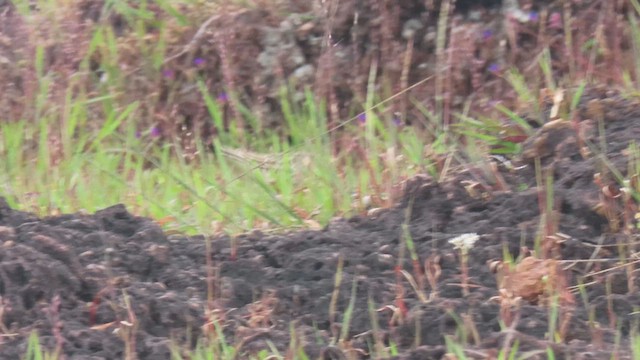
(464,242)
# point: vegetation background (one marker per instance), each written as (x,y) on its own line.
(222,116)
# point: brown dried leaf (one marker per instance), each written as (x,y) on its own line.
(536,279)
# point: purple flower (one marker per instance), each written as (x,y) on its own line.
(198,61)
(362,118)
(396,121)
(487,34)
(555,21)
(138,134)
(168,73)
(155,132)
(534,16)
(494,67)
(222,97)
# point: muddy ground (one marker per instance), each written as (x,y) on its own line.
(69,276)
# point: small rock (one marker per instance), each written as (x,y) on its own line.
(304,73)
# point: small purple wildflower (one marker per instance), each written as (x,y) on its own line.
(198,61)
(487,34)
(138,134)
(555,21)
(155,132)
(362,118)
(168,73)
(534,16)
(396,121)
(222,97)
(494,67)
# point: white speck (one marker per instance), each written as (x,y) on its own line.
(464,242)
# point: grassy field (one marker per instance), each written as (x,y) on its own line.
(81,144)
(83,139)
(85,133)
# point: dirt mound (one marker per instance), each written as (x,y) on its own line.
(87,283)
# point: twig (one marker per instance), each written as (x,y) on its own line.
(194,41)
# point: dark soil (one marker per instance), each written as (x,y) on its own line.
(69,276)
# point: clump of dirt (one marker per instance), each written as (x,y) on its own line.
(88,282)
